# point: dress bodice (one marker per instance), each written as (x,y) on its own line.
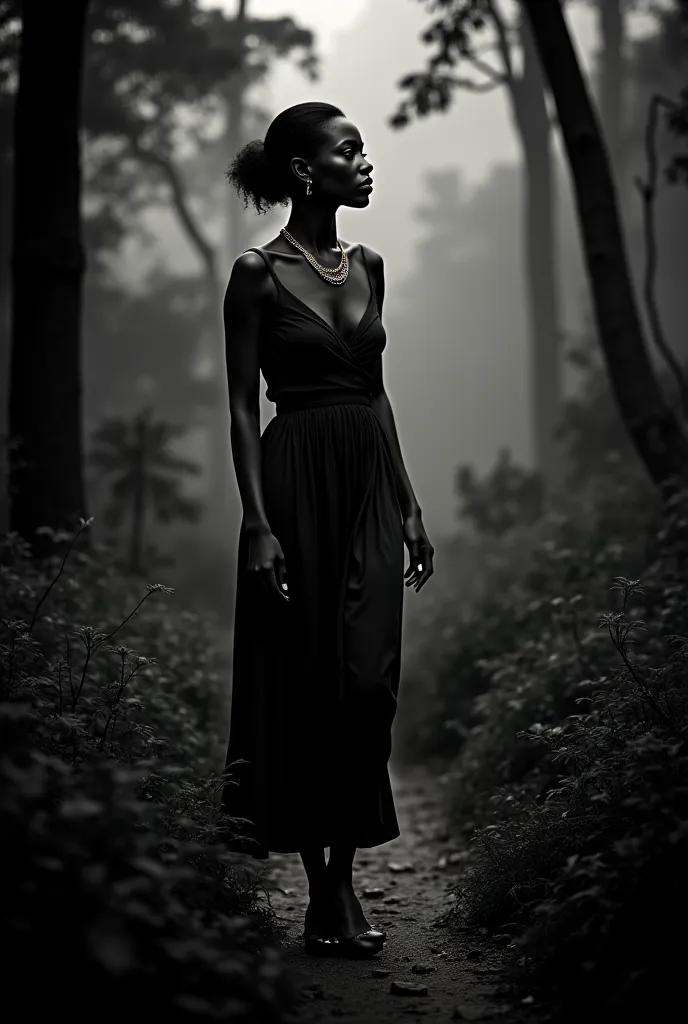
(302,357)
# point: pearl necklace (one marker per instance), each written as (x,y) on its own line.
(333,275)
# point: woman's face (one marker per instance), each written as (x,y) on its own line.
(340,170)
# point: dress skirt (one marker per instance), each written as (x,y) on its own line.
(316,679)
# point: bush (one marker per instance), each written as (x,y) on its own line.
(502,606)
(122,887)
(575,768)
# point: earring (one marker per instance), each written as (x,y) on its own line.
(309,190)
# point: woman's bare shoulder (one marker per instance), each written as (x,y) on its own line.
(372,256)
(249,278)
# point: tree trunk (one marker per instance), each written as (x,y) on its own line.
(236,239)
(529,106)
(612,33)
(5,295)
(47,266)
(612,30)
(654,430)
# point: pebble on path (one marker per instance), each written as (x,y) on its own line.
(408,988)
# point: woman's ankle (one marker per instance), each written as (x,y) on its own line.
(340,882)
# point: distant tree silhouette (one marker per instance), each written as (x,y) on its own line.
(145,477)
(506,496)
(433,90)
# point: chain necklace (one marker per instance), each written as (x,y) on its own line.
(333,275)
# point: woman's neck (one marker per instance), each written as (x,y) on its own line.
(315,227)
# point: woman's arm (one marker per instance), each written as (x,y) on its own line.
(244,300)
(421,551)
(408,503)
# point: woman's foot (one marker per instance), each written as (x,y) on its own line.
(318,924)
(346,914)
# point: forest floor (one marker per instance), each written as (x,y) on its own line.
(453,977)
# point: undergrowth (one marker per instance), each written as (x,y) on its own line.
(572,779)
(120,891)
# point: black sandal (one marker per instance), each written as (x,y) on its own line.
(315,945)
(364,944)
(357,947)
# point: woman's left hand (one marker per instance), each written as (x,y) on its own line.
(420,552)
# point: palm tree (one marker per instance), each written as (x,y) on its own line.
(145,476)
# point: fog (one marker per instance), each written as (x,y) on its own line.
(459,394)
(447,215)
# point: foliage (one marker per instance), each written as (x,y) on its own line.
(145,476)
(450,34)
(149,338)
(583,842)
(508,495)
(677,123)
(566,720)
(503,605)
(591,428)
(156,78)
(120,873)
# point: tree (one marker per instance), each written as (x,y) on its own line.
(8,63)
(47,270)
(146,477)
(507,496)
(145,341)
(451,34)
(234,93)
(652,426)
(611,16)
(164,73)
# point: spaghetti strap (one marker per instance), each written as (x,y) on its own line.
(371,284)
(268,264)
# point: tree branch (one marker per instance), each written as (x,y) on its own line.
(648,193)
(502,40)
(471,86)
(203,247)
(494,76)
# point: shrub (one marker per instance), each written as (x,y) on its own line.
(511,596)
(576,769)
(122,888)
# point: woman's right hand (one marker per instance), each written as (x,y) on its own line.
(266,559)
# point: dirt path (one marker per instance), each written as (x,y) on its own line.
(460,977)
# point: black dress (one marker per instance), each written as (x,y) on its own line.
(316,679)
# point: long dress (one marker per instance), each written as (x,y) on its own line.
(316,679)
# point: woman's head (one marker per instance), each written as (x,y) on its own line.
(309,146)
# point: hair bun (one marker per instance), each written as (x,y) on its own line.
(296,131)
(255,179)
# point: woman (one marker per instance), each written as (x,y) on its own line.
(327,507)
